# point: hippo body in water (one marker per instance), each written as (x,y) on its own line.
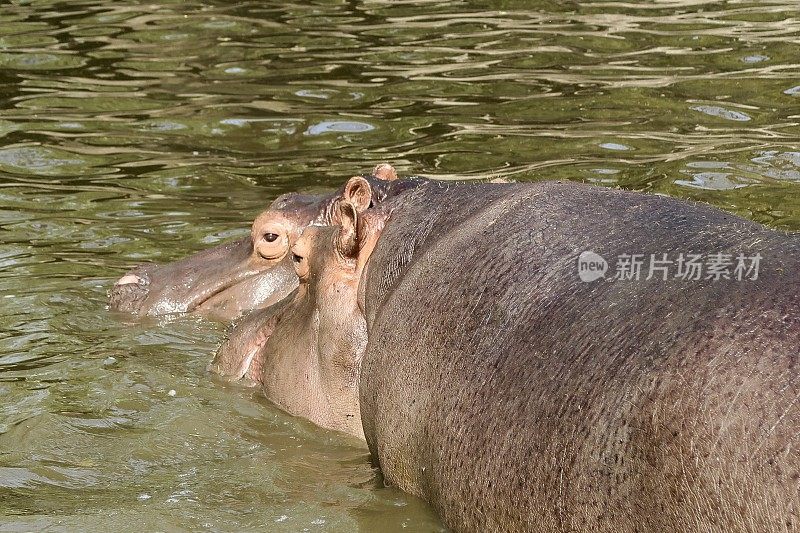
(493,382)
(225,281)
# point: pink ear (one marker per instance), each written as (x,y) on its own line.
(346,216)
(358,192)
(384,171)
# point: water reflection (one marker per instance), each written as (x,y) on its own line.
(145,132)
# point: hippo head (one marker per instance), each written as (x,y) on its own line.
(305,352)
(224,280)
(238,276)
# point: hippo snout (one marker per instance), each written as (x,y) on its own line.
(130,290)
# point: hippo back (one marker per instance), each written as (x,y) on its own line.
(514,396)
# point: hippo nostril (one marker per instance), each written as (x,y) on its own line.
(131,278)
(127,296)
(130,291)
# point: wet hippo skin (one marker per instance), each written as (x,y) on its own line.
(493,382)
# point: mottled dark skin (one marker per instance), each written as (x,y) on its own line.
(513,396)
(235,277)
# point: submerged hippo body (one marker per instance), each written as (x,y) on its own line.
(238,276)
(513,396)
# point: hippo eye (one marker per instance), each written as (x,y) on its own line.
(271,237)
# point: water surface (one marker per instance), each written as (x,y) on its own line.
(146,131)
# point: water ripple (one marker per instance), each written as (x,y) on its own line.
(145,132)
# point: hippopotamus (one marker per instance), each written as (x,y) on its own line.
(225,281)
(498,367)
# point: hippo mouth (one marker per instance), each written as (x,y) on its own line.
(250,366)
(241,356)
(247,367)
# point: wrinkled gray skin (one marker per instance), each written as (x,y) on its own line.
(514,397)
(225,281)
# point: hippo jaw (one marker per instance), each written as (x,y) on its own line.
(240,357)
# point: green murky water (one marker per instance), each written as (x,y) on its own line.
(133,131)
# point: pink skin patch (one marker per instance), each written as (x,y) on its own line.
(129,278)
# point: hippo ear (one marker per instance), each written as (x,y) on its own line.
(347,241)
(385,172)
(358,193)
